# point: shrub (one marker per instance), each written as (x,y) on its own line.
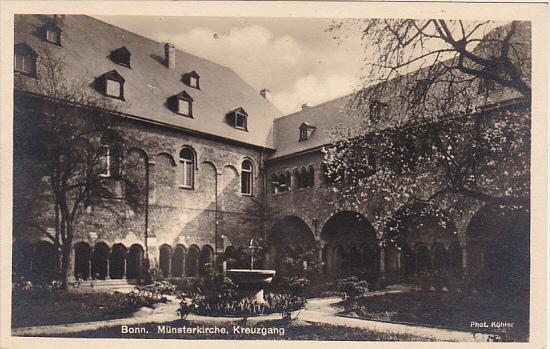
(146,296)
(152,275)
(291,285)
(352,288)
(280,303)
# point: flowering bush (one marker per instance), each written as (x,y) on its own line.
(280,303)
(352,288)
(146,296)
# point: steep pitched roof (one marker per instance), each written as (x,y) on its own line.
(87,45)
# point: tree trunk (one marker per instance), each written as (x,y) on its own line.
(67,257)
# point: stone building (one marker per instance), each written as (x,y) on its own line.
(211,149)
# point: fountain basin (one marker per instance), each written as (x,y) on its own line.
(251,282)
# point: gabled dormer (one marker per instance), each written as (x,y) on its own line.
(191,79)
(111,84)
(306,130)
(182,103)
(51,32)
(121,56)
(25,59)
(238,118)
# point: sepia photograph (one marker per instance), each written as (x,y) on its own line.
(295,178)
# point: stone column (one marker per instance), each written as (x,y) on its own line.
(107,277)
(124,270)
(465,258)
(90,266)
(398,260)
(382,259)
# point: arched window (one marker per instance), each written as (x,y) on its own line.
(311,176)
(25,60)
(275,184)
(303,178)
(187,160)
(111,156)
(246,177)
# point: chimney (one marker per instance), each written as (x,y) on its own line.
(170,56)
(59,19)
(266,94)
(305,106)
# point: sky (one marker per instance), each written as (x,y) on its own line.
(295,58)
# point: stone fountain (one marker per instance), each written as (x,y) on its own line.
(252,281)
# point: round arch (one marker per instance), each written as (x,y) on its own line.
(206,259)
(349,228)
(82,260)
(165,255)
(192,261)
(134,262)
(178,260)
(100,261)
(285,232)
(498,247)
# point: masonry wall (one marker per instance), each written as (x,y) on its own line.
(176,215)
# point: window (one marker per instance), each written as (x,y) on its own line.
(306,131)
(193,82)
(111,154)
(51,36)
(25,59)
(121,56)
(51,33)
(111,84)
(182,103)
(191,79)
(376,110)
(184,107)
(486,86)
(187,160)
(238,119)
(246,177)
(113,88)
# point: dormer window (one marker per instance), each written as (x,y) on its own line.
(111,84)
(182,103)
(486,86)
(191,79)
(25,59)
(51,33)
(238,119)
(376,109)
(306,131)
(121,56)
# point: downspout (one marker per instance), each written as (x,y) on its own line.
(147,214)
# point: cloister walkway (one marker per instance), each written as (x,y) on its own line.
(318,310)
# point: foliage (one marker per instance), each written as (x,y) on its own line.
(293,285)
(352,288)
(427,125)
(242,307)
(146,296)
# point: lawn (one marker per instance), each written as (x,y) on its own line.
(448,310)
(42,307)
(298,330)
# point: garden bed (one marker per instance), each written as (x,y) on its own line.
(37,307)
(446,310)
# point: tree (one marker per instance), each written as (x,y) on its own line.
(66,137)
(432,126)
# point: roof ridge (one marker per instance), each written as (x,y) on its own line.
(317,105)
